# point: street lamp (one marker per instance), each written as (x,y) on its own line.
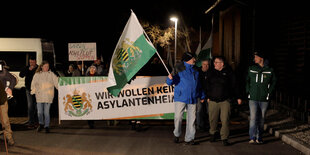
(175,37)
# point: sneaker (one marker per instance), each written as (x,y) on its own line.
(30,126)
(212,138)
(133,125)
(225,142)
(47,130)
(40,128)
(251,141)
(139,128)
(259,141)
(11,141)
(176,140)
(192,142)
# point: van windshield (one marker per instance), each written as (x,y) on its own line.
(16,61)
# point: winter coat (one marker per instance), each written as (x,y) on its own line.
(187,84)
(260,83)
(222,85)
(42,86)
(5,77)
(28,75)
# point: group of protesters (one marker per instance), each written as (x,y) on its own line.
(206,93)
(39,80)
(209,91)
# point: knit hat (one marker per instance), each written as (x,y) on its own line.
(260,54)
(188,56)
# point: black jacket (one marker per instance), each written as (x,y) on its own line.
(28,76)
(221,85)
(6,76)
(203,80)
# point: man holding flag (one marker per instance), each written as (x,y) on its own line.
(187,91)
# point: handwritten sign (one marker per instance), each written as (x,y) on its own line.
(82,51)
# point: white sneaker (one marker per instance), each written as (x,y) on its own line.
(251,141)
(259,142)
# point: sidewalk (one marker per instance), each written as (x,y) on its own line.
(290,131)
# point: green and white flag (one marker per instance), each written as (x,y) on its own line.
(205,52)
(132,52)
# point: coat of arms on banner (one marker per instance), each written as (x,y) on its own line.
(77,105)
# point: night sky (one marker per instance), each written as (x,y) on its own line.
(100,22)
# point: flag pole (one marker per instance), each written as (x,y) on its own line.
(158,55)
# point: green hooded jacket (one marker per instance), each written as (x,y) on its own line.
(260,83)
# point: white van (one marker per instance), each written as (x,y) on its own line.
(16,52)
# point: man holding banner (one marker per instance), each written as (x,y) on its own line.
(187,90)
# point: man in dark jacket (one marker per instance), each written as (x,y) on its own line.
(202,120)
(221,88)
(8,82)
(28,72)
(186,92)
(260,83)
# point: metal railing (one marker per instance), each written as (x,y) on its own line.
(295,106)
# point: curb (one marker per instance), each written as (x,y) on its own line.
(290,140)
(297,144)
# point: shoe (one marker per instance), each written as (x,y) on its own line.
(40,128)
(47,130)
(139,128)
(225,142)
(31,126)
(11,141)
(133,127)
(192,142)
(176,140)
(212,138)
(259,141)
(251,141)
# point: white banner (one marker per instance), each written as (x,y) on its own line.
(82,51)
(86,98)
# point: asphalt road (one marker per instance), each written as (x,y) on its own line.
(155,137)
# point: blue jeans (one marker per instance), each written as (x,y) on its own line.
(190,120)
(31,107)
(257,117)
(44,109)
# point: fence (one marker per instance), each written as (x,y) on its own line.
(295,106)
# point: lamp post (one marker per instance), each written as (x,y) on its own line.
(175,37)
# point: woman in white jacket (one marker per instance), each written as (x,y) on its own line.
(42,86)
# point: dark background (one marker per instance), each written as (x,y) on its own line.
(87,21)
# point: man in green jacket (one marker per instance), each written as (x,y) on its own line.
(260,83)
